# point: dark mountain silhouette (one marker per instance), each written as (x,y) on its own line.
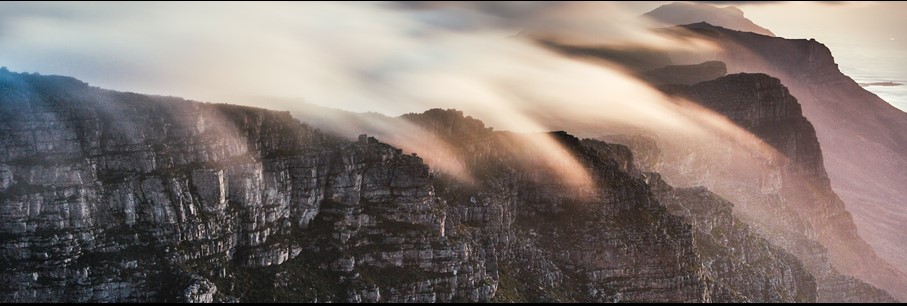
(680,13)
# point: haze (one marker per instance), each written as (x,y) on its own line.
(867,38)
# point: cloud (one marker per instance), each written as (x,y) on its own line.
(221,51)
(389,58)
(885,83)
(578,22)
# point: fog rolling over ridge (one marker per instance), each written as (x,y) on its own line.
(318,53)
(401,59)
(479,58)
(514,152)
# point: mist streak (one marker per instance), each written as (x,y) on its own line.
(481,58)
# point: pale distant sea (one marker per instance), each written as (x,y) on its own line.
(869,65)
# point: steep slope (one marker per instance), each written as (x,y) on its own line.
(743,263)
(760,104)
(557,242)
(748,268)
(679,13)
(863,141)
(868,185)
(743,266)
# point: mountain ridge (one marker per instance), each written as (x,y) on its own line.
(807,69)
(680,13)
(851,123)
(147,198)
(762,105)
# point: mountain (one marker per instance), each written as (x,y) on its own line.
(762,105)
(771,191)
(112,196)
(680,13)
(862,138)
(786,198)
(863,141)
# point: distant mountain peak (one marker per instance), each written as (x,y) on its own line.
(681,13)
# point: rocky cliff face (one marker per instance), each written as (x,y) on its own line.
(748,269)
(802,192)
(111,196)
(850,122)
(745,266)
(121,197)
(554,242)
(864,146)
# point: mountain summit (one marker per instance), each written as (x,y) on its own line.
(680,13)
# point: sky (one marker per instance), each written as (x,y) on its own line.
(377,56)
